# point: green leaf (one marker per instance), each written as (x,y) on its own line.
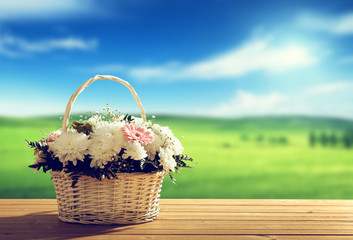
(171,177)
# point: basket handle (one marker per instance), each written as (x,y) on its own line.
(86,84)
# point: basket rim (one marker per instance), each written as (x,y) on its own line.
(157,172)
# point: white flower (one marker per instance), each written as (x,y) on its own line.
(114,129)
(135,151)
(107,140)
(138,121)
(96,121)
(167,160)
(153,147)
(119,140)
(70,146)
(101,151)
(163,139)
(176,146)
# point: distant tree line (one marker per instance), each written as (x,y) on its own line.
(331,139)
(261,138)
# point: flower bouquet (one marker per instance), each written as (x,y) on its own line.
(108,168)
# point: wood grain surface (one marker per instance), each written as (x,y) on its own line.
(191,219)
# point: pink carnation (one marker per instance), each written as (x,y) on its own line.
(140,134)
(52,137)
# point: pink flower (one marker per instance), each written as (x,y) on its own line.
(140,134)
(52,137)
(36,151)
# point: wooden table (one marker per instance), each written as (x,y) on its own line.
(192,219)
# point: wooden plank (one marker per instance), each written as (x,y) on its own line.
(52,224)
(140,237)
(253,217)
(182,228)
(224,202)
(242,218)
(303,237)
(178,237)
(181,237)
(214,208)
(49,219)
(213,211)
(272,209)
(214,216)
(261,202)
(132,231)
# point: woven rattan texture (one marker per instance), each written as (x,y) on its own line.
(132,198)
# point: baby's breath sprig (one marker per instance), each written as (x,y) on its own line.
(109,115)
(44,132)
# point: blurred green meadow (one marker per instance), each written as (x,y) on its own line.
(258,157)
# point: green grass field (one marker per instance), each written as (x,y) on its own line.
(236,159)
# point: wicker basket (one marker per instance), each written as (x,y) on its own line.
(132,198)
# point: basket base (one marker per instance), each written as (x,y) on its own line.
(99,220)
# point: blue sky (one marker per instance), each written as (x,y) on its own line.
(211,58)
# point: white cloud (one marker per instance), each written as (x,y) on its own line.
(341,25)
(246,103)
(168,71)
(30,9)
(256,55)
(13,46)
(326,100)
(148,72)
(329,88)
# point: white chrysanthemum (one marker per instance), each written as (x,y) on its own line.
(135,151)
(167,160)
(99,125)
(153,147)
(101,150)
(177,147)
(95,121)
(119,140)
(106,128)
(137,121)
(107,140)
(70,146)
(113,128)
(171,141)
(163,139)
